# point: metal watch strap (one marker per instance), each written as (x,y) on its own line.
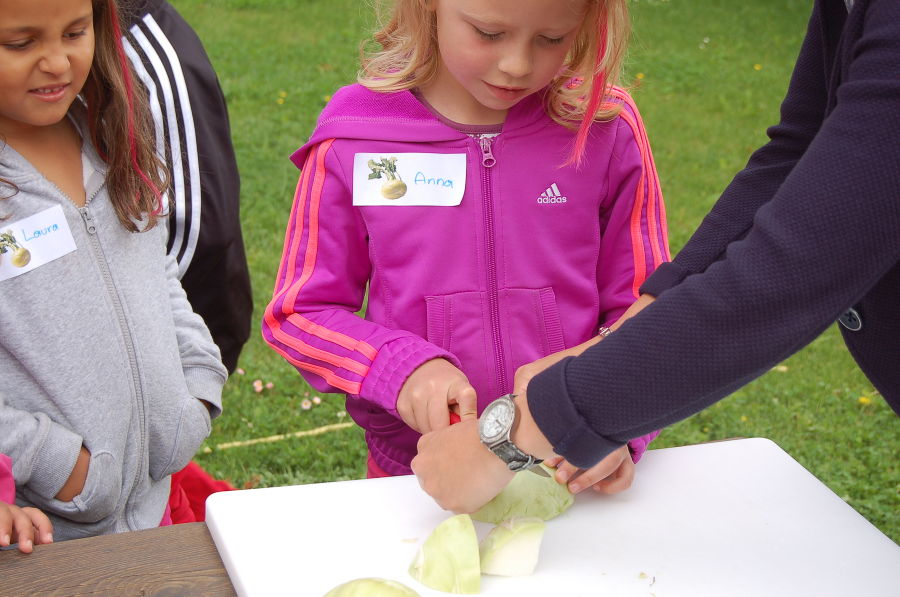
(515,459)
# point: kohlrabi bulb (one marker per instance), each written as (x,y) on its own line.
(371,587)
(527,495)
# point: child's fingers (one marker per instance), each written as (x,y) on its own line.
(42,525)
(5,524)
(466,400)
(437,415)
(420,416)
(405,411)
(553,461)
(23,530)
(565,471)
(619,481)
(606,468)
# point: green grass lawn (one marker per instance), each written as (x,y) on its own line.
(708,76)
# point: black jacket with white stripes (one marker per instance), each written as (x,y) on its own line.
(194,134)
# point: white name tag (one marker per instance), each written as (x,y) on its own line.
(409,178)
(34,241)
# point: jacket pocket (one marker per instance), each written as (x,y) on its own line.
(528,323)
(173,442)
(102,489)
(531,323)
(98,500)
(100,495)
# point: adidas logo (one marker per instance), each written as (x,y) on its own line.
(552,195)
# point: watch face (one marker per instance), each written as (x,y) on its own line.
(497,419)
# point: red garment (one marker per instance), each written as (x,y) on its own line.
(190,488)
(373,471)
(178,510)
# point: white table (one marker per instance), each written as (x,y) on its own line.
(727,519)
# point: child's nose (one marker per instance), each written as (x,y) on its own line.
(55,61)
(517,63)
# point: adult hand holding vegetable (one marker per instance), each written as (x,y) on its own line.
(431,391)
(461,474)
(614,473)
(455,468)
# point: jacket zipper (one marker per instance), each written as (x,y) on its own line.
(123,326)
(487,162)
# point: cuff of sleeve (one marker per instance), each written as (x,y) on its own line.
(52,466)
(206,384)
(395,361)
(560,422)
(666,276)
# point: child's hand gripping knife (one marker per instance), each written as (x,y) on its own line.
(432,389)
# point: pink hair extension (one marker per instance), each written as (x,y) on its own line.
(129,95)
(598,86)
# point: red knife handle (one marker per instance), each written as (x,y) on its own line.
(454,418)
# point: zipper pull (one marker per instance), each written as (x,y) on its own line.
(88,220)
(487,157)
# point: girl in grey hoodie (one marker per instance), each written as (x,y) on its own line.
(108,380)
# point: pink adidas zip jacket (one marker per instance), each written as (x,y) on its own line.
(495,255)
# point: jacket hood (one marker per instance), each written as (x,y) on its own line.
(356,112)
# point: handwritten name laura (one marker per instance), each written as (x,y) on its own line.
(38,233)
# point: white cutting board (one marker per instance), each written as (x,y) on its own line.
(728,519)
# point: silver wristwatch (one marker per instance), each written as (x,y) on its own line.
(494,427)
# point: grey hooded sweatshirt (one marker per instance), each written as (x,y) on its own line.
(98,347)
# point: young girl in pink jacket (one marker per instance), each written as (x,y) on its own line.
(490,193)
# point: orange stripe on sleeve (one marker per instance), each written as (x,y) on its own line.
(648,197)
(288,253)
(309,188)
(319,354)
(330,377)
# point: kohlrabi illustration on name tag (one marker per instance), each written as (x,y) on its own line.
(409,178)
(33,241)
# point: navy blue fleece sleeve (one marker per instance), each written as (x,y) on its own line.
(825,229)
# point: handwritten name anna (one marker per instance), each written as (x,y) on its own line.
(38,233)
(420,178)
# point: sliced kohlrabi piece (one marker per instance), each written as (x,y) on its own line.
(512,547)
(527,495)
(372,587)
(448,560)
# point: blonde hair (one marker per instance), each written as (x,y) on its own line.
(406,56)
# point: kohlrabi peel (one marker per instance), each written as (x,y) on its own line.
(448,560)
(372,587)
(527,495)
(512,547)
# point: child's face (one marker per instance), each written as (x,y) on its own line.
(46,49)
(496,52)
